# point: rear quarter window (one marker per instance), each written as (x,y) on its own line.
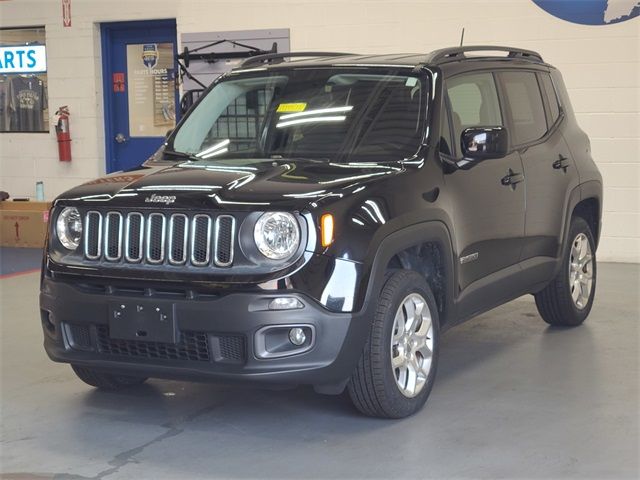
(552,97)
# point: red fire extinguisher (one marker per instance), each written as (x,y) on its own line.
(63,134)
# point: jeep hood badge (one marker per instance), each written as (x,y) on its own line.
(166,199)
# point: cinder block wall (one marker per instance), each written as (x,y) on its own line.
(600,64)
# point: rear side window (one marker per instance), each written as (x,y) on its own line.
(524,103)
(552,98)
(474,102)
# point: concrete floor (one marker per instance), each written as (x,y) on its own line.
(513,399)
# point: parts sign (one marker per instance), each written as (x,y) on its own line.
(26,59)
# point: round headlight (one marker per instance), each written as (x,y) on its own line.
(69,228)
(277,235)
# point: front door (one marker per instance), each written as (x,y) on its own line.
(488,213)
(140,95)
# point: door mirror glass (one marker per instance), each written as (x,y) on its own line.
(483,143)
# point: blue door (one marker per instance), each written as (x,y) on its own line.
(140,94)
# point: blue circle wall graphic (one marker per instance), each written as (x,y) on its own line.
(591,12)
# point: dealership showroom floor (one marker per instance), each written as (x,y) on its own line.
(514,398)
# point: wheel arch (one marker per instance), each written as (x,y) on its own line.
(426,248)
(584,200)
(590,207)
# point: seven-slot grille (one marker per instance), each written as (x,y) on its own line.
(158,238)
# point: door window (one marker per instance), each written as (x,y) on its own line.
(150,76)
(524,102)
(474,102)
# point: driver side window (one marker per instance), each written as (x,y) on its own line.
(474,102)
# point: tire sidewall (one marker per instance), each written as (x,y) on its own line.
(578,226)
(403,405)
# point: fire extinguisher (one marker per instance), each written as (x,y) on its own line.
(63,134)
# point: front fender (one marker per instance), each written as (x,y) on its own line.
(374,269)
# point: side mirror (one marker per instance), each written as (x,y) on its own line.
(482,143)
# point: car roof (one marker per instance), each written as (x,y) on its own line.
(470,55)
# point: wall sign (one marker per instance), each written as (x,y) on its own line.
(66,13)
(591,12)
(25,59)
(118,82)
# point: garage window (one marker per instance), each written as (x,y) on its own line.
(23,80)
(524,102)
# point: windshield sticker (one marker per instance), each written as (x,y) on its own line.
(291,107)
(411,82)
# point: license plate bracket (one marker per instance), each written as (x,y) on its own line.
(143,321)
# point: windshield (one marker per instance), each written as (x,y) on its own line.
(338,115)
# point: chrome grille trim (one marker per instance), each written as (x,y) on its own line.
(88,224)
(107,238)
(127,238)
(184,240)
(217,252)
(194,226)
(163,232)
(155,238)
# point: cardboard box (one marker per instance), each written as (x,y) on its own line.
(23,224)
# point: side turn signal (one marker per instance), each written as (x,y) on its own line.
(326,229)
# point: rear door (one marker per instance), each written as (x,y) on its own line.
(536,124)
(488,216)
(139,70)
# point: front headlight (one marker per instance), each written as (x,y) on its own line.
(277,235)
(69,228)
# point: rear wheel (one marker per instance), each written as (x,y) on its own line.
(567,300)
(104,380)
(398,365)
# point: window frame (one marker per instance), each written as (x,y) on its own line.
(445,110)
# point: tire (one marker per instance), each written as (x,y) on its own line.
(557,302)
(375,386)
(104,380)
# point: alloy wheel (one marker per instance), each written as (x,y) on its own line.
(412,345)
(581,271)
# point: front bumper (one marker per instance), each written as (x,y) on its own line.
(217,337)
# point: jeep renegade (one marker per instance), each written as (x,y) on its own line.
(323,220)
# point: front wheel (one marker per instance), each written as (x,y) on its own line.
(398,365)
(567,300)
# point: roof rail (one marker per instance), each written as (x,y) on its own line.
(457,53)
(269,57)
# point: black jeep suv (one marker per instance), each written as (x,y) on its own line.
(323,220)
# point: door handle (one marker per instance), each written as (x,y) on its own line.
(511,179)
(120,138)
(561,163)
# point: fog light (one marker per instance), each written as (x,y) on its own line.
(285,303)
(297,336)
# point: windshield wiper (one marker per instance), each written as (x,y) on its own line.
(188,156)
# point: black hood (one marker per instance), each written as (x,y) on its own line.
(261,184)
